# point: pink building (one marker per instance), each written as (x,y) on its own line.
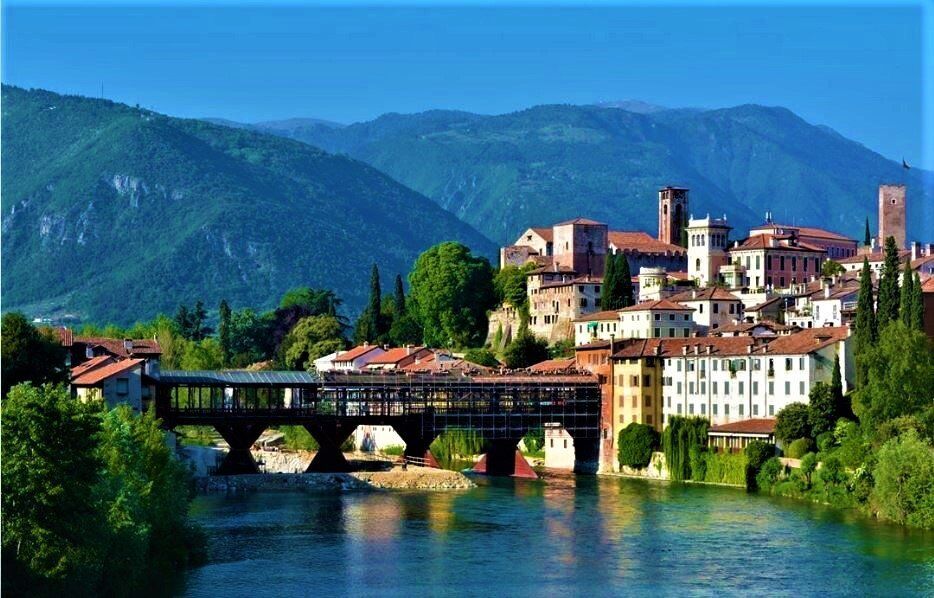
(777,261)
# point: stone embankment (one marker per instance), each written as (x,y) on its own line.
(414,478)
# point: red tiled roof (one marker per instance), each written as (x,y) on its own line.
(395,355)
(611,314)
(116,346)
(708,294)
(554,365)
(764,304)
(763,241)
(594,346)
(641,242)
(573,281)
(928,285)
(746,426)
(545,233)
(541,378)
(672,347)
(580,221)
(356,352)
(100,374)
(806,231)
(659,304)
(747,326)
(66,336)
(878,256)
(808,340)
(90,364)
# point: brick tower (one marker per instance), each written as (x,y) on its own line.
(892,214)
(672,214)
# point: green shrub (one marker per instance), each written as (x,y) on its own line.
(725,468)
(483,357)
(904,481)
(757,452)
(825,442)
(456,444)
(636,444)
(769,473)
(298,438)
(808,465)
(799,447)
(831,471)
(393,450)
(698,461)
(681,434)
(792,422)
(534,441)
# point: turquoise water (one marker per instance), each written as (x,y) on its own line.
(564,536)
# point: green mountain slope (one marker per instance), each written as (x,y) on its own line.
(504,173)
(117,213)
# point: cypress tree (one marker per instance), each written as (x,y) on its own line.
(917,304)
(224,330)
(887,310)
(906,295)
(625,281)
(375,305)
(836,382)
(611,297)
(865,335)
(399,298)
(867,238)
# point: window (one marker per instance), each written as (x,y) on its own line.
(634,381)
(726,388)
(703,408)
(771,388)
(686,332)
(679,408)
(583,302)
(647,401)
(703,388)
(756,365)
(716,308)
(714,407)
(679,388)
(768,262)
(781,263)
(691,409)
(714,362)
(647,380)
(671,332)
(755,388)
(635,402)
(701,308)
(671,317)
(787,388)
(658,317)
(742,389)
(771,409)
(801,387)
(565,443)
(755,410)
(800,363)
(714,385)
(679,365)
(794,264)
(757,267)
(788,364)
(726,409)
(690,387)
(657,332)
(123,386)
(741,408)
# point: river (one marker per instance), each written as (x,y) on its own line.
(566,535)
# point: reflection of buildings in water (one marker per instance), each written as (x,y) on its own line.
(440,513)
(373,517)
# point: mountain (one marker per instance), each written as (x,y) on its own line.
(117,213)
(537,166)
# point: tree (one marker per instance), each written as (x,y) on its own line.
(904,481)
(223,331)
(917,304)
(251,337)
(866,329)
(511,285)
(203,355)
(369,325)
(757,454)
(791,423)
(906,295)
(808,465)
(822,409)
(191,323)
(312,337)
(398,302)
(450,293)
(867,238)
(900,376)
(836,384)
(28,354)
(636,444)
(50,525)
(527,349)
(888,286)
(483,357)
(625,280)
(315,302)
(831,471)
(831,268)
(611,293)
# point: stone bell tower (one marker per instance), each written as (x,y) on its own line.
(672,214)
(892,214)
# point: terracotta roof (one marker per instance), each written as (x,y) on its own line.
(539,378)
(550,268)
(672,347)
(659,304)
(356,352)
(611,314)
(763,241)
(573,281)
(764,304)
(921,261)
(594,346)
(100,374)
(878,256)
(116,346)
(641,242)
(746,426)
(808,340)
(678,275)
(806,231)
(708,294)
(580,221)
(554,365)
(928,285)
(395,355)
(747,326)
(90,364)
(546,233)
(66,336)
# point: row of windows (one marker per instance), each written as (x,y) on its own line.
(728,388)
(736,365)
(702,409)
(716,240)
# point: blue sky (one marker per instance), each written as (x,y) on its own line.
(854,67)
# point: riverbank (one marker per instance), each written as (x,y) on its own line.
(414,478)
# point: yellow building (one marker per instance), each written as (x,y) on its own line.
(637,385)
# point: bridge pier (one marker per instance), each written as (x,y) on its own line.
(418,444)
(330,437)
(503,458)
(240,437)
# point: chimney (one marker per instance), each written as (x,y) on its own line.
(708,349)
(658,349)
(128,346)
(693,293)
(749,349)
(872,244)
(914,250)
(684,350)
(826,290)
(696,349)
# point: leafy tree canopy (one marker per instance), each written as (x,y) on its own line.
(791,423)
(527,349)
(28,354)
(312,337)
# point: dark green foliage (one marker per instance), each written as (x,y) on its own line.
(455,445)
(223,330)
(192,323)
(512,170)
(314,301)
(482,357)
(149,211)
(769,473)
(798,448)
(525,350)
(298,438)
(562,349)
(371,325)
(636,444)
(900,377)
(682,436)
(28,354)
(906,295)
(398,299)
(888,286)
(757,453)
(510,285)
(867,238)
(831,470)
(831,268)
(917,304)
(792,422)
(250,337)
(825,442)
(312,337)
(808,465)
(836,385)
(904,481)
(611,293)
(822,409)
(534,441)
(625,280)
(866,326)
(450,293)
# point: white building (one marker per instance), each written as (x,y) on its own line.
(656,319)
(326,363)
(708,240)
(713,308)
(355,359)
(115,382)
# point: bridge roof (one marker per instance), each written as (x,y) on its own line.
(237,378)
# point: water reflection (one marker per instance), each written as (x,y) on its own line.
(560,535)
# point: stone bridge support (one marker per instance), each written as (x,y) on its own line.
(330,436)
(503,458)
(240,437)
(418,443)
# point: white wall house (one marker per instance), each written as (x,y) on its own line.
(713,308)
(354,359)
(656,319)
